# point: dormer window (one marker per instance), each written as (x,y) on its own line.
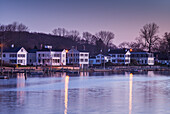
(22,50)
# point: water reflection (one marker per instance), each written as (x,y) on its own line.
(66,94)
(20,84)
(130,92)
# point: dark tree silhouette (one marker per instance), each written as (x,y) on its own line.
(105,36)
(87,37)
(148,33)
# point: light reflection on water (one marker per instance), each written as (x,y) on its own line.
(112,94)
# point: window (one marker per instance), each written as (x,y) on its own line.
(30,61)
(21,55)
(113,55)
(12,55)
(113,60)
(22,50)
(81,54)
(81,60)
(4,55)
(86,60)
(86,54)
(19,61)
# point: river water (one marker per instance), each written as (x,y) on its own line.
(87,93)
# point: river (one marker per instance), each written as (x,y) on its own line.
(87,93)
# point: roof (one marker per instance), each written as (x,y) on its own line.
(32,50)
(59,50)
(118,51)
(15,49)
(142,52)
(83,51)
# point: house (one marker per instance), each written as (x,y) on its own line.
(78,57)
(143,58)
(162,58)
(49,57)
(31,58)
(120,56)
(15,55)
(99,59)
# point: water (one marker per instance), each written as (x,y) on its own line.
(96,93)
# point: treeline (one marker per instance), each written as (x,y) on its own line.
(148,39)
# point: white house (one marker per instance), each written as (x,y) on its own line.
(15,55)
(143,58)
(120,56)
(80,58)
(31,58)
(51,57)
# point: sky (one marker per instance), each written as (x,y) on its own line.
(124,18)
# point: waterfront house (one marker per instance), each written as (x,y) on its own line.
(99,59)
(31,59)
(50,57)
(15,55)
(162,58)
(120,56)
(78,57)
(143,58)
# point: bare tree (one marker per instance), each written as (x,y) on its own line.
(167,37)
(87,36)
(148,33)
(124,45)
(21,27)
(60,32)
(74,34)
(105,36)
(2,28)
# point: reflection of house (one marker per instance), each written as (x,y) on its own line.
(51,57)
(80,58)
(15,55)
(120,56)
(143,58)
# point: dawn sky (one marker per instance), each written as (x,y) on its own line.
(124,18)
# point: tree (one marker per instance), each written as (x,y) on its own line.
(74,35)
(21,28)
(167,38)
(87,36)
(105,36)
(124,45)
(148,33)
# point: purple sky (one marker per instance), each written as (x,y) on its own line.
(124,18)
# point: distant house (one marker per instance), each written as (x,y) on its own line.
(120,56)
(51,57)
(31,58)
(15,55)
(99,59)
(78,57)
(162,58)
(143,58)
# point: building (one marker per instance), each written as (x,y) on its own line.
(120,56)
(99,59)
(49,57)
(15,55)
(31,59)
(142,58)
(79,58)
(162,58)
